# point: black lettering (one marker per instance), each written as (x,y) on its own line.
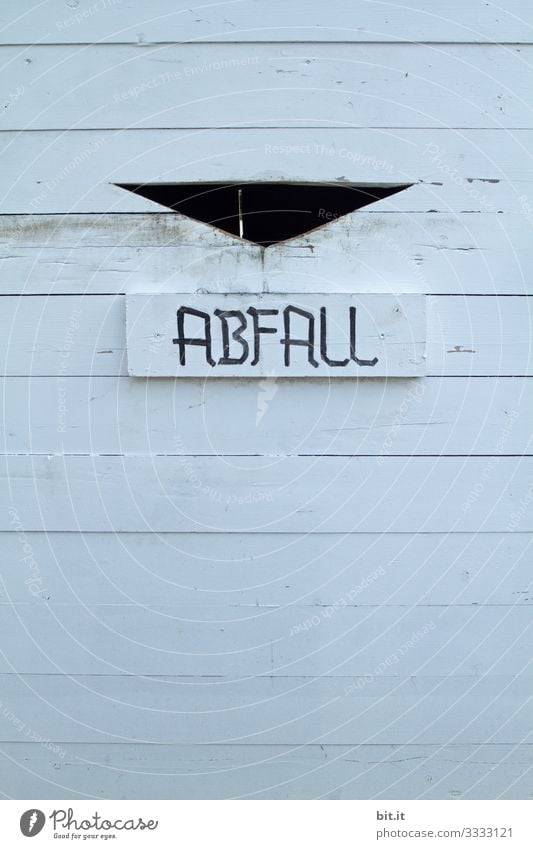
(353,318)
(324,344)
(258,329)
(308,343)
(182,341)
(226,360)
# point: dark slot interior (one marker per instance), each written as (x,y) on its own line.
(264,213)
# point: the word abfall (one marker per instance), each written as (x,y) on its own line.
(243,335)
(234,347)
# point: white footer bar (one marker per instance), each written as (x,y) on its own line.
(268,824)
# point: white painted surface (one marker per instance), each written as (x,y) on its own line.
(219,641)
(366,252)
(263,85)
(117,415)
(241,571)
(86,335)
(267,772)
(202,589)
(260,335)
(300,710)
(452,172)
(274,494)
(130,21)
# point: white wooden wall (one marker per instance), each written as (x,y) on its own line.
(265,589)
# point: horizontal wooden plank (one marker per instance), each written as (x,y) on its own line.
(118,415)
(262,494)
(87,335)
(85,322)
(128,21)
(387,709)
(138,771)
(453,172)
(369,251)
(434,254)
(343,335)
(321,571)
(262,85)
(215,640)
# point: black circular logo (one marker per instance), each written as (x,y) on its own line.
(32,822)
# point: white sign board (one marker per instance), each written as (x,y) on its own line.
(251,335)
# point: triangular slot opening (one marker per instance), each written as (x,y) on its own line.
(264,213)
